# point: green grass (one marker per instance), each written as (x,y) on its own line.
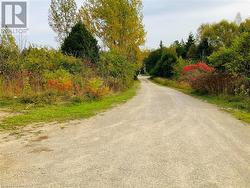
(237,106)
(7,103)
(66,112)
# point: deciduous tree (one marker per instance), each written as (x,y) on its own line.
(62,17)
(9,52)
(117,23)
(236,58)
(245,26)
(219,34)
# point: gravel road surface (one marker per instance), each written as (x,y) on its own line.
(161,138)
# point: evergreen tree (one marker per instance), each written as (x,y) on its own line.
(81,43)
(161,45)
(190,42)
(204,49)
(180,48)
(165,66)
(152,59)
(192,51)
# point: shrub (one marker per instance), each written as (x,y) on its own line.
(96,88)
(37,60)
(60,81)
(71,64)
(204,79)
(116,70)
(216,83)
(242,91)
(220,58)
(192,72)
(178,67)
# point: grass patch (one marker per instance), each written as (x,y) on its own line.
(237,106)
(7,103)
(65,112)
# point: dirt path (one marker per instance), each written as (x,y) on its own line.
(161,138)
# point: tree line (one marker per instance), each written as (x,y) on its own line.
(215,60)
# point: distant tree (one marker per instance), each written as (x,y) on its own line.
(165,66)
(62,17)
(240,64)
(180,48)
(192,52)
(161,45)
(190,41)
(245,26)
(190,47)
(204,50)
(235,59)
(219,34)
(152,59)
(81,43)
(238,19)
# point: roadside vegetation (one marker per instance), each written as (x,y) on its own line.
(80,78)
(67,111)
(214,66)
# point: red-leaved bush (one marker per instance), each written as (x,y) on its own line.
(205,79)
(192,72)
(199,66)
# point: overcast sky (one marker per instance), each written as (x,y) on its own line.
(166,20)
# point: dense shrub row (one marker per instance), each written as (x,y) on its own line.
(44,75)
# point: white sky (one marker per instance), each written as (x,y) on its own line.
(166,20)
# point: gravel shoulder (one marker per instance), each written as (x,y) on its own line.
(161,138)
